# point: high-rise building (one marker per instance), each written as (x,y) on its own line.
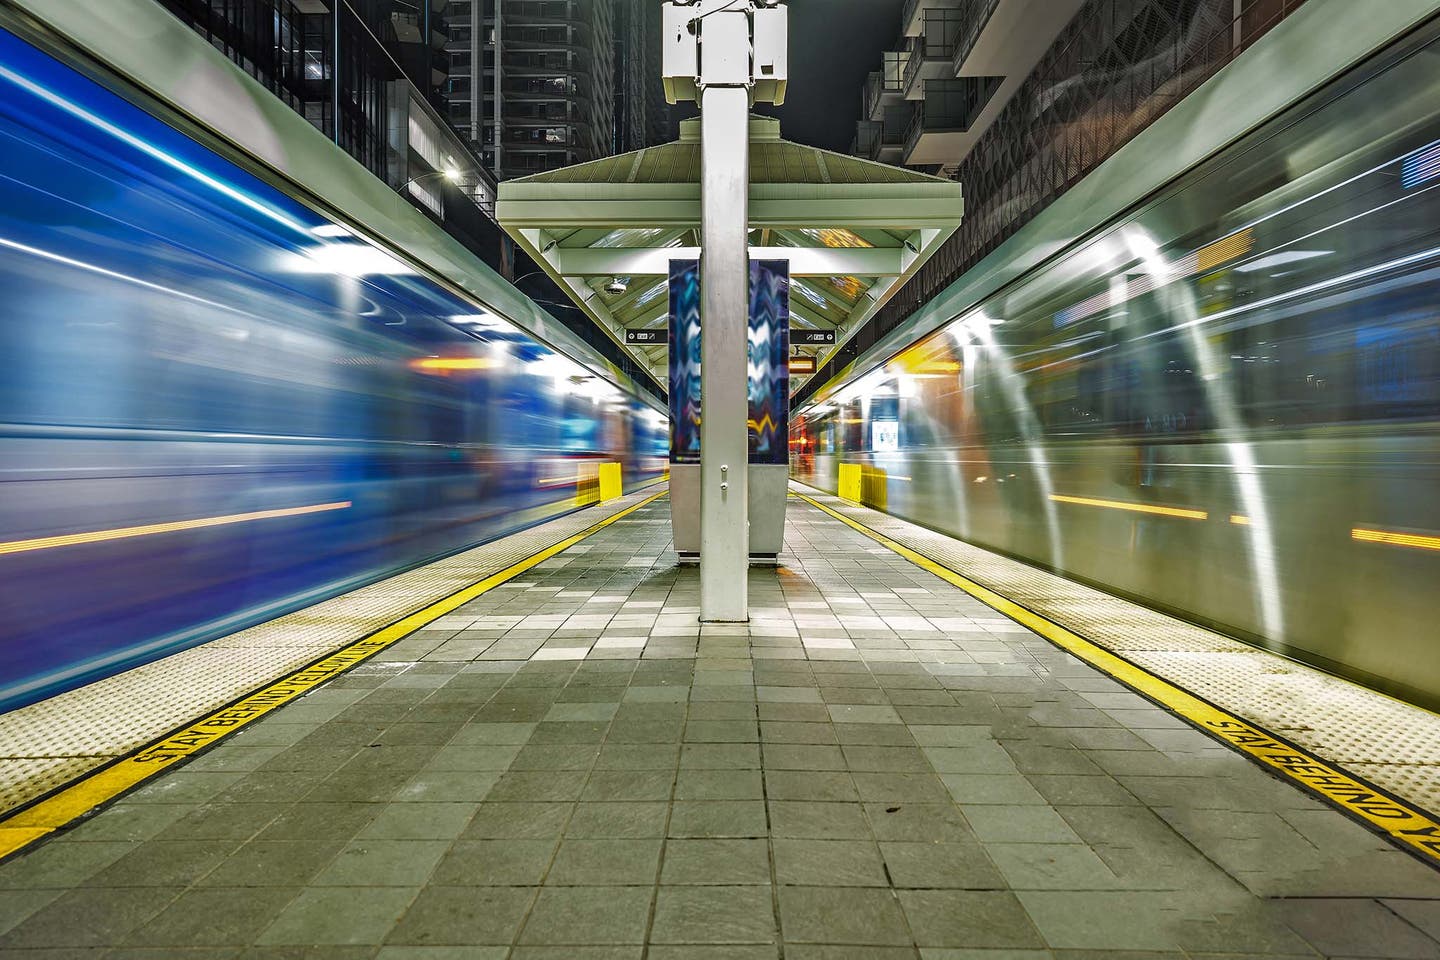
(540,84)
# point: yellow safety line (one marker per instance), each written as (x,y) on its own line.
(29,824)
(121,533)
(1409,826)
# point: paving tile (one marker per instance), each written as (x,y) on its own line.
(538,785)
(60,866)
(588,915)
(463,916)
(834,785)
(704,861)
(518,821)
(718,818)
(1020,824)
(419,821)
(1051,866)
(1356,928)
(818,820)
(89,917)
(863,713)
(164,863)
(381,863)
(922,863)
(586,862)
(933,822)
(716,914)
(840,863)
(984,919)
(618,820)
(339,915)
(214,916)
(841,915)
(499,862)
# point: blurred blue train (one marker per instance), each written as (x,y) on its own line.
(218,405)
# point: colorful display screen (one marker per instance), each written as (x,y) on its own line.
(768,364)
(767,361)
(684,361)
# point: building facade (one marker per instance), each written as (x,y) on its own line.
(401,75)
(540,84)
(1020,99)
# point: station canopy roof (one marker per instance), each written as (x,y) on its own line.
(854,231)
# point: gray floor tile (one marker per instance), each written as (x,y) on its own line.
(923,863)
(986,919)
(383,863)
(339,915)
(692,784)
(1356,928)
(818,820)
(497,862)
(701,861)
(842,863)
(1019,824)
(588,915)
(89,917)
(461,916)
(419,821)
(842,916)
(518,821)
(618,820)
(718,818)
(713,915)
(586,862)
(214,916)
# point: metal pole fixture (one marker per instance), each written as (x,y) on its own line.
(727,54)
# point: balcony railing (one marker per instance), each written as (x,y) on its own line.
(943,28)
(976,14)
(890,133)
(949,106)
(867,132)
(888,80)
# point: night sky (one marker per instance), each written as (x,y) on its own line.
(833,45)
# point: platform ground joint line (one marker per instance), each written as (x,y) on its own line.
(63,806)
(1404,824)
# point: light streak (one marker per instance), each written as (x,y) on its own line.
(151,529)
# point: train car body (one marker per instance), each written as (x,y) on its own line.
(219,404)
(1226,404)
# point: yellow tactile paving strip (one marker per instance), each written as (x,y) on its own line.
(1318,731)
(49,744)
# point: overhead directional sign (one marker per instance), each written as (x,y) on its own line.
(800,336)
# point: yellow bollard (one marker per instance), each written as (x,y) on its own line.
(587,483)
(849,488)
(612,484)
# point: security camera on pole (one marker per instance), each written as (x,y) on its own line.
(726,54)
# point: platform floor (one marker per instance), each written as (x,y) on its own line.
(569,767)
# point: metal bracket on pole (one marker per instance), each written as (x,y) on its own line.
(726,54)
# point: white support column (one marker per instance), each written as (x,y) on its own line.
(723,53)
(724,311)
